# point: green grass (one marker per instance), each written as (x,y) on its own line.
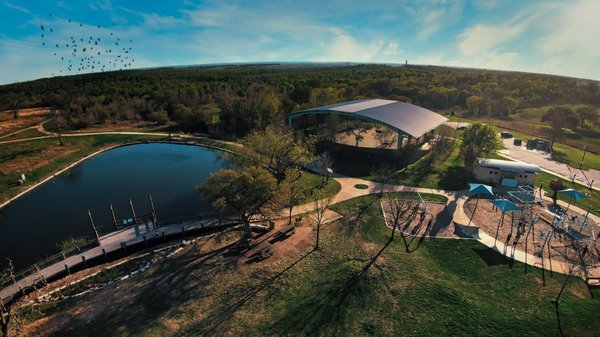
(593,197)
(361,186)
(444,288)
(331,187)
(25,133)
(566,154)
(572,156)
(446,172)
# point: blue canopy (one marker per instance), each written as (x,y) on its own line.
(480,189)
(573,194)
(505,205)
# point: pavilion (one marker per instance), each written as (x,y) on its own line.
(412,123)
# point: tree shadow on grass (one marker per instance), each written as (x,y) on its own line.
(491,257)
(155,294)
(213,324)
(328,303)
(560,157)
(455,178)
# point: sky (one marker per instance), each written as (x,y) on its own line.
(553,37)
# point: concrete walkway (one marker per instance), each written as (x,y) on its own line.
(456,200)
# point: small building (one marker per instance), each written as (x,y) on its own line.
(505,173)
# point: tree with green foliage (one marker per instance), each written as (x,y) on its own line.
(560,117)
(587,113)
(255,109)
(510,104)
(324,96)
(474,104)
(478,140)
(245,195)
(276,149)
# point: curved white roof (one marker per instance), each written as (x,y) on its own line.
(507,165)
(404,117)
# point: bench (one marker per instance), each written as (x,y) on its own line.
(259,254)
(283,233)
(241,246)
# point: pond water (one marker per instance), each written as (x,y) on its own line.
(31,226)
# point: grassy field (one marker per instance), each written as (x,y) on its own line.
(446,172)
(445,287)
(593,197)
(26,133)
(312,180)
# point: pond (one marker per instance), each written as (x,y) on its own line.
(31,226)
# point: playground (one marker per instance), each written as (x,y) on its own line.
(543,231)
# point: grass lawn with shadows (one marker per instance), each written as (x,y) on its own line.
(446,287)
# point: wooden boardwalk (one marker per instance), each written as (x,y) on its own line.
(109,243)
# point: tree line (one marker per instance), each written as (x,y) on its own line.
(233,101)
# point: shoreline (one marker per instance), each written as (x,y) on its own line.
(91,155)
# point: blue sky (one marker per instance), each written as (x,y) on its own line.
(556,37)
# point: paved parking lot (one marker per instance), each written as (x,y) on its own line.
(544,161)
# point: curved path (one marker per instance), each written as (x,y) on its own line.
(454,207)
(455,202)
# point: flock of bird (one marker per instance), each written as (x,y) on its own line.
(87,49)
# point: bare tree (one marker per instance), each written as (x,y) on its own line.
(357,128)
(325,164)
(55,113)
(320,203)
(291,189)
(385,139)
(395,210)
(574,260)
(384,175)
(6,276)
(15,101)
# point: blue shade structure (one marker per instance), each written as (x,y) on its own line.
(480,189)
(572,194)
(503,205)
(476,189)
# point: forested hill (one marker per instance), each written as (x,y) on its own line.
(233,100)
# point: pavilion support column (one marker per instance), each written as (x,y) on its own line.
(400,141)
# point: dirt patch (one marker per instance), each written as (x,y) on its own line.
(417,222)
(23,159)
(27,118)
(116,126)
(513,231)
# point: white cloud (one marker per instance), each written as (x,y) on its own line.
(437,15)
(343,47)
(575,31)
(482,38)
(17,8)
(391,49)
